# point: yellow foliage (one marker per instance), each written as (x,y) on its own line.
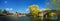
(34,10)
(52,14)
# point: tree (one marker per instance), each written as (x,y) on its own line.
(56,4)
(5,12)
(34,10)
(0,11)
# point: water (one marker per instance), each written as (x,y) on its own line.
(25,18)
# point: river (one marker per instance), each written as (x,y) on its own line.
(25,18)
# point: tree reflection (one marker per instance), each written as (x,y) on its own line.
(36,19)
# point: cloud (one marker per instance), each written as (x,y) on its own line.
(42,9)
(5,2)
(9,9)
(27,9)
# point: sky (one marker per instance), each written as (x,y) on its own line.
(21,5)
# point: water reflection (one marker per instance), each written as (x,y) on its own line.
(25,18)
(51,19)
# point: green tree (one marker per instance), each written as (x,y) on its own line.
(0,11)
(56,4)
(5,12)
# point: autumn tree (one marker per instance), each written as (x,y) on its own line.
(34,10)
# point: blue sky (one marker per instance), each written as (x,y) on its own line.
(20,5)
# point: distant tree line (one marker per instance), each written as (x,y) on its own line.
(3,12)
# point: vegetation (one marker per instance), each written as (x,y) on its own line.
(34,10)
(0,11)
(5,12)
(56,4)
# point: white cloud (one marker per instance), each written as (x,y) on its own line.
(27,9)
(9,9)
(42,9)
